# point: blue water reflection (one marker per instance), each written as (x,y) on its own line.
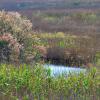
(59,69)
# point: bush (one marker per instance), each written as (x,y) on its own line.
(17,31)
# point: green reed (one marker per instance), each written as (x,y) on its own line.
(34,82)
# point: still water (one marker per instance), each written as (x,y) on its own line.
(57,70)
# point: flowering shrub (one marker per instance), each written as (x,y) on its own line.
(16,30)
(12,22)
(12,44)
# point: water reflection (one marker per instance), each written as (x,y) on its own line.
(59,69)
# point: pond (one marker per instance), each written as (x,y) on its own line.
(57,70)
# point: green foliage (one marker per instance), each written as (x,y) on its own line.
(27,83)
(58,39)
(3,43)
(87,17)
(98,59)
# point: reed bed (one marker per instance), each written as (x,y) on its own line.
(36,83)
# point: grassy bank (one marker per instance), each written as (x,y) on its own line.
(34,82)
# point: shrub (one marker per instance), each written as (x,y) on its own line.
(7,45)
(17,31)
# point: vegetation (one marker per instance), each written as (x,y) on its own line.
(27,82)
(24,45)
(19,45)
(66,21)
(17,32)
(73,50)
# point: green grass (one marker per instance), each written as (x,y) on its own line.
(34,82)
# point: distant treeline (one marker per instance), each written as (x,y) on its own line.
(48,5)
